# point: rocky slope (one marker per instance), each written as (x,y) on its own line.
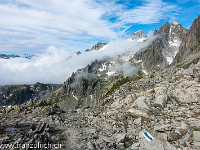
(159,111)
(100,109)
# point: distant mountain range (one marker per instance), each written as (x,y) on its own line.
(7,56)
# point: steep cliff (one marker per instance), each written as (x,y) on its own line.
(190,46)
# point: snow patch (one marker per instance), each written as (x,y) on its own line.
(175,43)
(109,73)
(138,31)
(175,52)
(103,48)
(169,60)
(139,61)
(103,67)
(141,40)
(74,96)
(126,58)
(145,72)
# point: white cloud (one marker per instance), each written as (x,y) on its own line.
(152,11)
(127,69)
(48,22)
(37,24)
(56,65)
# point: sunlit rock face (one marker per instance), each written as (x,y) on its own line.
(190,43)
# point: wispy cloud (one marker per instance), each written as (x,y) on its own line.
(50,21)
(76,24)
(149,12)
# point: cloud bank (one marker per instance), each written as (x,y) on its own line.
(56,65)
(128,69)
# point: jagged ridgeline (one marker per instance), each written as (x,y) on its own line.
(92,85)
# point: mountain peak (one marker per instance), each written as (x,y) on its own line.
(138,34)
(175,23)
(98,46)
(166,24)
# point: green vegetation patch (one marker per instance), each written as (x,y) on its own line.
(118,84)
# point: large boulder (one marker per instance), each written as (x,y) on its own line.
(130,99)
(138,113)
(160,101)
(196,136)
(162,127)
(160,90)
(188,95)
(160,96)
(151,141)
(141,103)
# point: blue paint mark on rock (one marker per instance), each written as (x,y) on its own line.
(148,136)
(145,133)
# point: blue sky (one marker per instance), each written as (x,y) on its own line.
(31,26)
